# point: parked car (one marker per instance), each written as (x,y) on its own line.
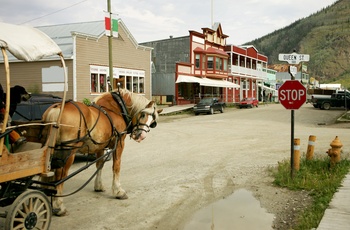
(34,107)
(209,106)
(248,102)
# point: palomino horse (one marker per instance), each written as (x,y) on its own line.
(104,124)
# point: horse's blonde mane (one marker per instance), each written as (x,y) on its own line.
(137,104)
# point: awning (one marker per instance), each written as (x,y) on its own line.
(266,87)
(206,81)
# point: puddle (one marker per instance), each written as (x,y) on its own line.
(238,211)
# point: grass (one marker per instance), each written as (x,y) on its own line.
(316,177)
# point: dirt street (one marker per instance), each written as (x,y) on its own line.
(189,161)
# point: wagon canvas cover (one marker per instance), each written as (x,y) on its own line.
(26,43)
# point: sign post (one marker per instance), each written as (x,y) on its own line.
(292,94)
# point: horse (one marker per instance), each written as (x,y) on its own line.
(93,128)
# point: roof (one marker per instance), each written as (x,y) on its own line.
(62,34)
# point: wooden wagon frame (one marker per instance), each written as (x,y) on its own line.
(26,208)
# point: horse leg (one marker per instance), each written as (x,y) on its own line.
(98,180)
(116,186)
(58,207)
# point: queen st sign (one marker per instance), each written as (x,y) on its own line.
(294,58)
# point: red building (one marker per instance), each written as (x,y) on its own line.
(248,69)
(218,70)
(207,73)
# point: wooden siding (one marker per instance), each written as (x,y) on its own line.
(29,75)
(125,55)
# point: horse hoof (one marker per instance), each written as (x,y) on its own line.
(122,197)
(59,212)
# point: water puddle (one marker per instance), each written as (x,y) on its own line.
(238,211)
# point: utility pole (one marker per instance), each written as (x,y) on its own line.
(110,39)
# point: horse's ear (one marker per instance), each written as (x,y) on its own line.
(150,104)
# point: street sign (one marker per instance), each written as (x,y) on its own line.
(293,58)
(293,70)
(292,94)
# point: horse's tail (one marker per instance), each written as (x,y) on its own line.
(49,116)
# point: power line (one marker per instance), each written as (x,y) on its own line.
(53,12)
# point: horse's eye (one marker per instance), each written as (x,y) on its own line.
(143,115)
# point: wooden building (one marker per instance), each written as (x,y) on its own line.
(85,50)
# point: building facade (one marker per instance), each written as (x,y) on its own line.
(165,54)
(206,73)
(86,52)
(189,68)
(248,69)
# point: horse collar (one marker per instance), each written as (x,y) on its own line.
(118,98)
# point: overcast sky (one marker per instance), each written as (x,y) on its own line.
(150,20)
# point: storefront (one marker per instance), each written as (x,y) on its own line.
(191,89)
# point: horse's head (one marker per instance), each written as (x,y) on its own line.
(144,120)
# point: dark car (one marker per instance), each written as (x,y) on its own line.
(209,106)
(248,102)
(34,107)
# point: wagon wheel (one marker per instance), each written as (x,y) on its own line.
(30,210)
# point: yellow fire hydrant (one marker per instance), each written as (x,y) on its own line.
(334,152)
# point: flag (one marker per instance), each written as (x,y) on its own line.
(108,25)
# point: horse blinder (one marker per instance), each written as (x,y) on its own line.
(153,124)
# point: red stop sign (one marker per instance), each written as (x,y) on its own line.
(292,94)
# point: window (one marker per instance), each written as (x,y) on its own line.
(103,83)
(135,84)
(94,82)
(225,64)
(197,64)
(128,83)
(141,85)
(98,83)
(131,79)
(246,85)
(210,62)
(217,63)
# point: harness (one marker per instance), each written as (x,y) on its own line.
(120,101)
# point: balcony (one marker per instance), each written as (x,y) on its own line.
(247,72)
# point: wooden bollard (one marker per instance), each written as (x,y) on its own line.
(310,147)
(296,158)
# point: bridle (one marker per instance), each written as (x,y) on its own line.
(144,126)
(133,128)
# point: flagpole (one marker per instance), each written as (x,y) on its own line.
(110,39)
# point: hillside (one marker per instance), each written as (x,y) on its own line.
(324,35)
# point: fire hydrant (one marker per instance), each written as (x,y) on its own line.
(334,152)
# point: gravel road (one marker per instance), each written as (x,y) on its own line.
(189,161)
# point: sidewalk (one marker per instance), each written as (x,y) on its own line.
(337,215)
(176,108)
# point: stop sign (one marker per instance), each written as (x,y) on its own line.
(292,94)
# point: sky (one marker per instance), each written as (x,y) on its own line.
(151,20)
